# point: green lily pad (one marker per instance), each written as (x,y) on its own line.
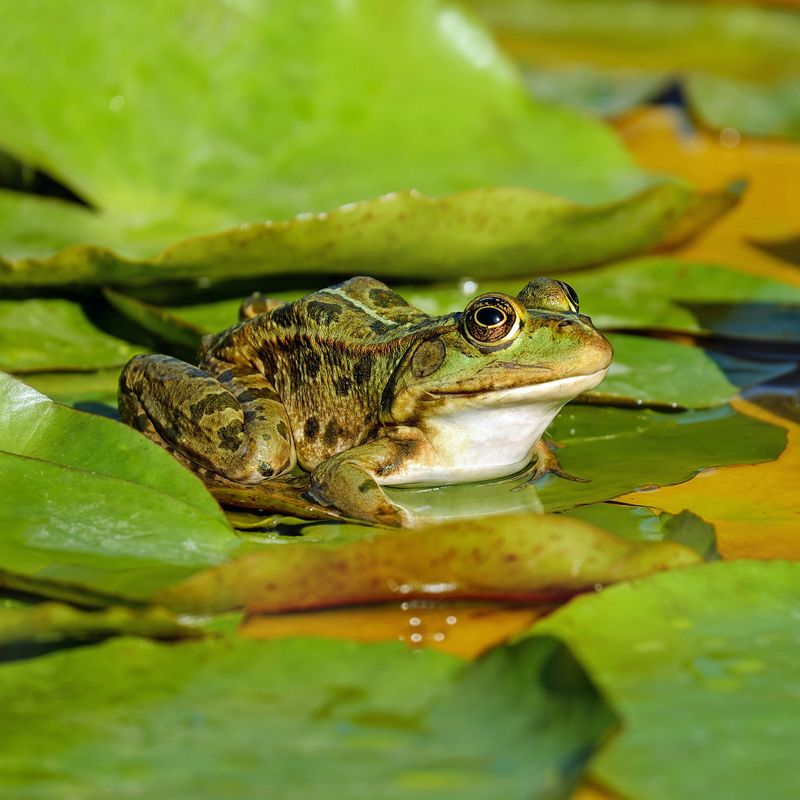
(298,716)
(615,451)
(52,622)
(641,524)
(613,54)
(414,96)
(89,500)
(54,334)
(701,660)
(523,557)
(89,391)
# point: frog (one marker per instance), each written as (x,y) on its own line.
(362,390)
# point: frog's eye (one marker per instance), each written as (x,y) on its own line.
(549,295)
(491,321)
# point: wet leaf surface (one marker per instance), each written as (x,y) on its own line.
(512,558)
(103,506)
(706,659)
(298,716)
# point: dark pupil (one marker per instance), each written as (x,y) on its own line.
(489,316)
(571,293)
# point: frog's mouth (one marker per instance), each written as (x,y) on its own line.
(560,389)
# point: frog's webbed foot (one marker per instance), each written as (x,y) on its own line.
(546,464)
(226,419)
(349,481)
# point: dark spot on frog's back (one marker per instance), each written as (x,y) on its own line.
(312,363)
(212,403)
(283,316)
(378,327)
(332,433)
(323,313)
(342,386)
(362,370)
(385,298)
(311,428)
(229,436)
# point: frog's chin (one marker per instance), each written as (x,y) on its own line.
(491,435)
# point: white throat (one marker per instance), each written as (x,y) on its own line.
(489,436)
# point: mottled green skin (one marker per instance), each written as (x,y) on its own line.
(346,382)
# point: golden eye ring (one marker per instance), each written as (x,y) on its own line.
(492,321)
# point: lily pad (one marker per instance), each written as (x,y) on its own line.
(612,54)
(614,451)
(55,334)
(87,499)
(643,524)
(701,660)
(512,558)
(52,622)
(413,96)
(207,719)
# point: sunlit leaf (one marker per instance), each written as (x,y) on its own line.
(607,55)
(408,96)
(87,499)
(705,658)
(298,716)
(521,557)
(50,334)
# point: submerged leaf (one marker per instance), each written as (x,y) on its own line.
(510,558)
(298,716)
(708,658)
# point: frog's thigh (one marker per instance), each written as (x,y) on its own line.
(350,479)
(232,424)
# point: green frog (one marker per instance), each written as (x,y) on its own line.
(363,390)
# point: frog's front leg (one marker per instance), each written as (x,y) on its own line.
(350,480)
(225,418)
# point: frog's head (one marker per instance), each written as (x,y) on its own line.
(532,349)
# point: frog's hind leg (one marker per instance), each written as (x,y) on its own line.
(226,419)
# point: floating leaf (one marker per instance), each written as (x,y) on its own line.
(157,166)
(89,500)
(615,451)
(496,231)
(754,509)
(708,658)
(206,719)
(642,524)
(95,391)
(54,334)
(510,558)
(612,54)
(51,622)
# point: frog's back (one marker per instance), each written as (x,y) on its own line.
(329,355)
